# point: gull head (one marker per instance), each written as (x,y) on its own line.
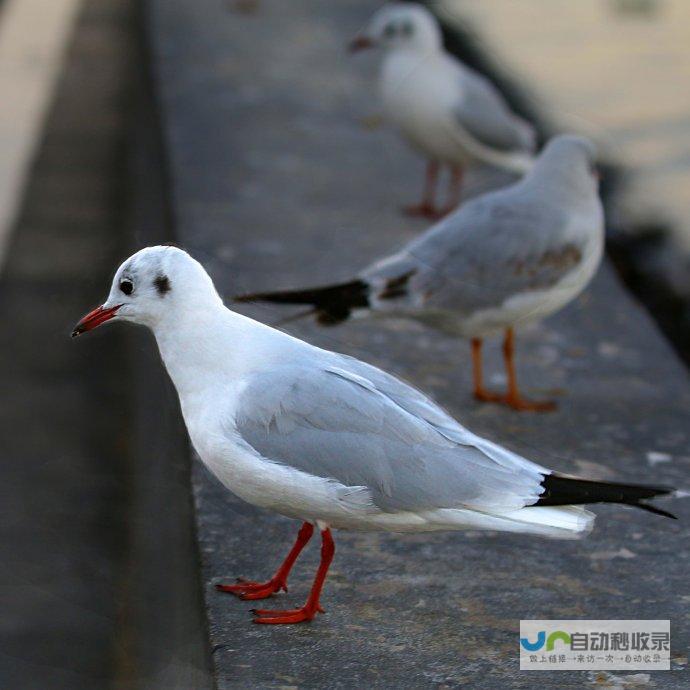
(571,161)
(154,286)
(400,25)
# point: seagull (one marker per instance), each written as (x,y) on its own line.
(444,109)
(328,439)
(501,261)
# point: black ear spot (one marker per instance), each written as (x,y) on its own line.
(162,284)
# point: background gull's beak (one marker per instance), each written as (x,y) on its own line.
(360,43)
(95,318)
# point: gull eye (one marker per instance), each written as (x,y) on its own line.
(406,28)
(126,286)
(389,30)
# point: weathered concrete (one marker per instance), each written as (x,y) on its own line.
(99,572)
(275,183)
(63,463)
(164,631)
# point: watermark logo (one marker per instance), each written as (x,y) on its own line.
(570,645)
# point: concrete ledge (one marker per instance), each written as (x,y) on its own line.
(274,182)
(164,640)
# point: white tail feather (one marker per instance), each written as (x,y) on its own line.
(561,522)
(557,521)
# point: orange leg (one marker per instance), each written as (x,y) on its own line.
(427,206)
(247,590)
(312,605)
(513,398)
(480,393)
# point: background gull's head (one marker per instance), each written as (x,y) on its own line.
(570,163)
(400,25)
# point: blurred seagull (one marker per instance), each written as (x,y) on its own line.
(502,260)
(327,439)
(444,109)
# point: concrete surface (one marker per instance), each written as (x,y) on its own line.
(63,492)
(165,635)
(99,575)
(275,183)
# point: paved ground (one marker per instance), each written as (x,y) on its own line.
(62,494)
(275,183)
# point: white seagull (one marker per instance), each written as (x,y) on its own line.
(444,109)
(501,261)
(327,439)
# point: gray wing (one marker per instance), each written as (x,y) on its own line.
(350,422)
(485,115)
(492,248)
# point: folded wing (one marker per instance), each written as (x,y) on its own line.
(355,424)
(495,247)
(484,114)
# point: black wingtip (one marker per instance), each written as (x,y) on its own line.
(296,317)
(653,509)
(561,490)
(246,298)
(331,303)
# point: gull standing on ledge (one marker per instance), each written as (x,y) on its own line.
(447,111)
(327,439)
(502,260)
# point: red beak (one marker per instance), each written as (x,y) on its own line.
(94,318)
(360,43)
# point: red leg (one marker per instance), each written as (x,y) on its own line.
(260,590)
(480,393)
(513,398)
(312,606)
(454,190)
(427,207)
